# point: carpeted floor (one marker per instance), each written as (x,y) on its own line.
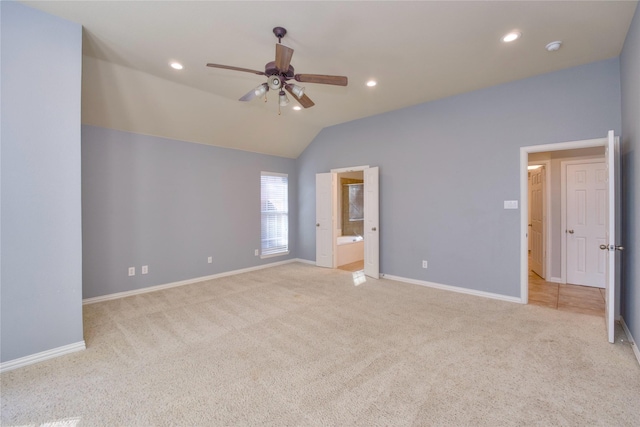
(300,345)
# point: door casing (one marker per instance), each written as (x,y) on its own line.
(524,198)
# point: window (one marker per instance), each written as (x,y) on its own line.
(356,202)
(274,208)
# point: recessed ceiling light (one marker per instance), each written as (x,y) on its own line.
(372,83)
(176,66)
(297,107)
(514,35)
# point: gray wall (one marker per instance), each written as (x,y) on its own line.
(447,166)
(41,262)
(629,72)
(169,205)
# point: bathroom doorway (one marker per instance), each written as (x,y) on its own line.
(347,212)
(350,221)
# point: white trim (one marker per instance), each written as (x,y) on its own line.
(267,173)
(555,280)
(634,345)
(524,199)
(42,356)
(452,288)
(350,169)
(306,261)
(125,294)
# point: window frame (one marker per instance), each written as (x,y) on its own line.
(279,216)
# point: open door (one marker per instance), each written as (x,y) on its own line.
(371,223)
(612,158)
(537,233)
(324,219)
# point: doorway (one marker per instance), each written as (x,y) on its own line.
(349,247)
(336,216)
(547,232)
(610,144)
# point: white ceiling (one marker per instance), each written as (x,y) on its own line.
(419,51)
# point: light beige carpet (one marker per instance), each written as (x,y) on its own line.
(300,345)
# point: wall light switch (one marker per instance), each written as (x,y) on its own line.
(132,271)
(210,259)
(511,204)
(145,269)
(256,253)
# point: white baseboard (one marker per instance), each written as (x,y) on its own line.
(555,280)
(42,356)
(125,294)
(453,288)
(634,345)
(306,261)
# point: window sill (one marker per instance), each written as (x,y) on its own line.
(274,255)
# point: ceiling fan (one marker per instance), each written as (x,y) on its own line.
(279,72)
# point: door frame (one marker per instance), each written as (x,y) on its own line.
(563,207)
(547,215)
(524,201)
(334,207)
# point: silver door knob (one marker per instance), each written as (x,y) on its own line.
(373,229)
(617,248)
(318,225)
(570,231)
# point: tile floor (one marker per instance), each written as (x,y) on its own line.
(354,266)
(575,298)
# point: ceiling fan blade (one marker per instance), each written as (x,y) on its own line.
(283,57)
(304,100)
(228,67)
(322,79)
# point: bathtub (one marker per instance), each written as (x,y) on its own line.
(350,249)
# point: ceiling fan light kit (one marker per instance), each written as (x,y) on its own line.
(295,89)
(274,82)
(281,70)
(283,100)
(262,89)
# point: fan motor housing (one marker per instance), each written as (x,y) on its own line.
(271,70)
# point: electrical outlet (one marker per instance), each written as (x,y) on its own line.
(424,264)
(132,271)
(145,269)
(210,260)
(256,252)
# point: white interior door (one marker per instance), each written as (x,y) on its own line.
(611,247)
(324,219)
(536,236)
(371,223)
(586,223)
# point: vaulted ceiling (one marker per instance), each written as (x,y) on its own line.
(416,51)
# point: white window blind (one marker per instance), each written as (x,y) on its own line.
(274,207)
